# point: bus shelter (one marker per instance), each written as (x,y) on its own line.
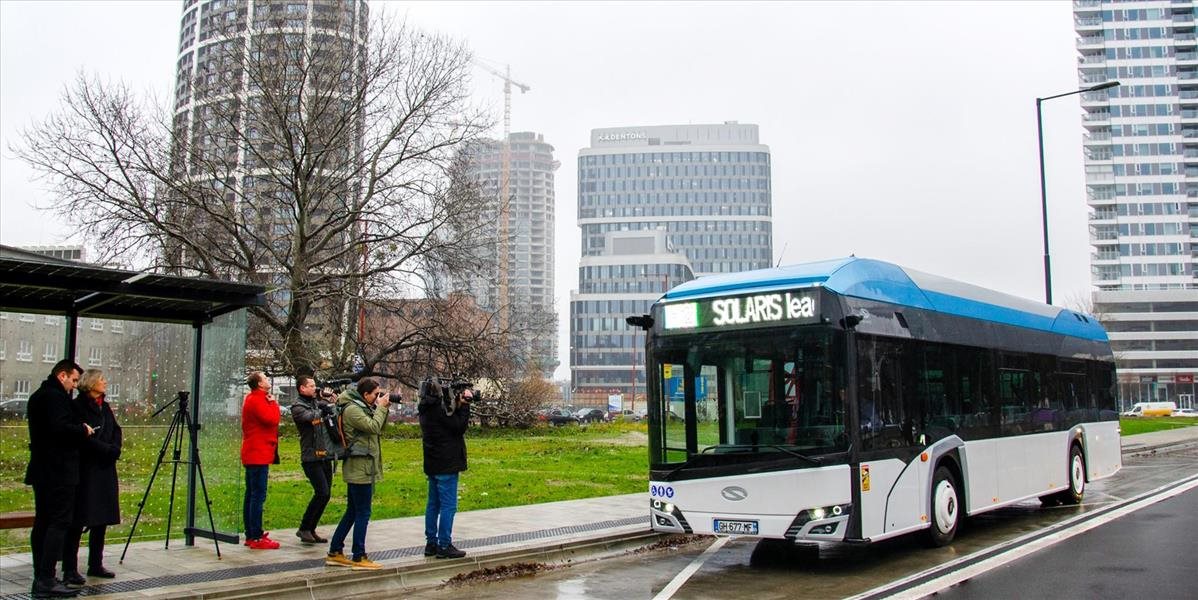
(154,336)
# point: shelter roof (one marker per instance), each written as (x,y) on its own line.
(30,282)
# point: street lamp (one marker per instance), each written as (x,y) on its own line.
(1043,187)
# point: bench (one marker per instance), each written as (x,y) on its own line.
(16,520)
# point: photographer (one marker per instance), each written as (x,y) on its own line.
(444,415)
(316,452)
(363,416)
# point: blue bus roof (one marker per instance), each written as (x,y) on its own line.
(886,282)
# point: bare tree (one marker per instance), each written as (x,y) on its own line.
(513,403)
(322,166)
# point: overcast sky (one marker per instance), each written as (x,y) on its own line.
(903,131)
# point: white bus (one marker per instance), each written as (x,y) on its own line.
(853,400)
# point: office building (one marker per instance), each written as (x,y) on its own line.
(657,206)
(1141,157)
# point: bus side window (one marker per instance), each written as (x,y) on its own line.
(975,402)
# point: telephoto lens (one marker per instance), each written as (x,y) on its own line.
(395,397)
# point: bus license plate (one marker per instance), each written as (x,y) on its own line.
(735,527)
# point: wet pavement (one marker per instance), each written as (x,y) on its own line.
(742,567)
(577,533)
(1147,554)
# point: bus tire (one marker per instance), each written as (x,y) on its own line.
(1077,477)
(945,510)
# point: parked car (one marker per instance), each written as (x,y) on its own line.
(14,408)
(590,415)
(630,415)
(1186,412)
(560,416)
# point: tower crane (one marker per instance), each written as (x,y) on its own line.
(505,189)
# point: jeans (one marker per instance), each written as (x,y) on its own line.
(442,506)
(255,498)
(357,515)
(320,475)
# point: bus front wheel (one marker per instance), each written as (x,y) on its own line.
(945,508)
(1077,477)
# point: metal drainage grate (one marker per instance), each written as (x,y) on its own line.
(119,587)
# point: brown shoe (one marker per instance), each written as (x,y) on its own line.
(306,537)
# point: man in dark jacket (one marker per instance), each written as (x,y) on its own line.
(316,455)
(443,429)
(56,432)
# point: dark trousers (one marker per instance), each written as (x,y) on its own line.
(95,548)
(320,475)
(357,516)
(53,510)
(255,498)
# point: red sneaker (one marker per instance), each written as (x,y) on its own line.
(262,543)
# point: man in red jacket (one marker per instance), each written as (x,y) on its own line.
(259,449)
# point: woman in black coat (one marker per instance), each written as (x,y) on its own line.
(97,504)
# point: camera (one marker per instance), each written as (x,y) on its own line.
(451,389)
(330,389)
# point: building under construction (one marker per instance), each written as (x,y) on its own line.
(527,307)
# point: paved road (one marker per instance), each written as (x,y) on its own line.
(1148,554)
(742,568)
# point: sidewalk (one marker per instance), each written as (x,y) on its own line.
(551,533)
(1147,442)
(557,532)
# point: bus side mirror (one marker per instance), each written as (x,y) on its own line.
(643,321)
(850,321)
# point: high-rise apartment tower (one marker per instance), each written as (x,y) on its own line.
(1141,156)
(529,304)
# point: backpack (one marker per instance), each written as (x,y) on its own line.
(342,438)
(338,440)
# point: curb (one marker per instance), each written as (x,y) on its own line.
(343,583)
(1136,450)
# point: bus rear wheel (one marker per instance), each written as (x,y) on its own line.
(945,510)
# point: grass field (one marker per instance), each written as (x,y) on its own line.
(1134,425)
(507,468)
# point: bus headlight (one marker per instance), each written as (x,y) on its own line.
(662,506)
(828,512)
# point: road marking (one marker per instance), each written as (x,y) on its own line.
(1115,498)
(680,579)
(1018,548)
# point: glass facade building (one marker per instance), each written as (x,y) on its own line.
(657,206)
(1141,157)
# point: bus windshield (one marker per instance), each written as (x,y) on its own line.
(765,392)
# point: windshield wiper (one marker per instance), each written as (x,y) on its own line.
(810,460)
(751,448)
(670,476)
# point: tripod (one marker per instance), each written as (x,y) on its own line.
(181,420)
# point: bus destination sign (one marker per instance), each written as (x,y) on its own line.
(756,310)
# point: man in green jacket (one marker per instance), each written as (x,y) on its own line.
(363,416)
